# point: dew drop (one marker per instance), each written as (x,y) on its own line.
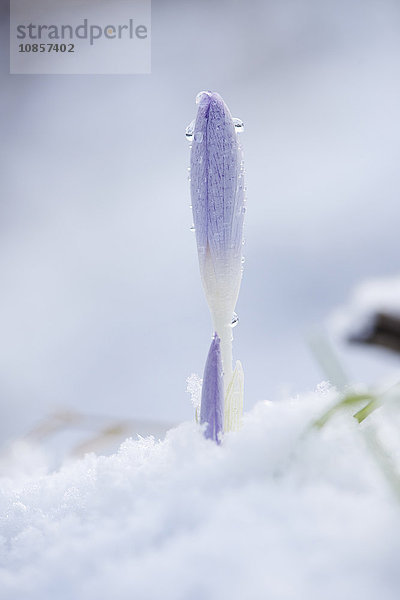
(189,133)
(193,228)
(243,260)
(239,125)
(235,320)
(198,136)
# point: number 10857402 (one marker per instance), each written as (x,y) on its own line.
(46,48)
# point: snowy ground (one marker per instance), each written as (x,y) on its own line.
(280,510)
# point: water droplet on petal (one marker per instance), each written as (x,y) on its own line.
(239,125)
(193,228)
(235,320)
(198,136)
(243,260)
(202,96)
(189,133)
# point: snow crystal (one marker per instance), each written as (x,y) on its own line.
(194,384)
(280,510)
(324,388)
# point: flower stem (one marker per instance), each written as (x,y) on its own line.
(224,331)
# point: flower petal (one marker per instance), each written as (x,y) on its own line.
(234,400)
(217,190)
(212,394)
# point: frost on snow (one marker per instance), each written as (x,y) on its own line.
(281,510)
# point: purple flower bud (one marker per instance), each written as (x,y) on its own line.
(212,393)
(217,191)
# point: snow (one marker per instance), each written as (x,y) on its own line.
(380,294)
(279,510)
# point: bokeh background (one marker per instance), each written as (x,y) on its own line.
(101,306)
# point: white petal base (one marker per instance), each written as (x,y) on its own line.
(233,409)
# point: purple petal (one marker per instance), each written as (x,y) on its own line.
(217,186)
(212,393)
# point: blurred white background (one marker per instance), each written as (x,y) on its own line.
(101,306)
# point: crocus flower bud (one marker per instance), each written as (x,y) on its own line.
(212,393)
(217,192)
